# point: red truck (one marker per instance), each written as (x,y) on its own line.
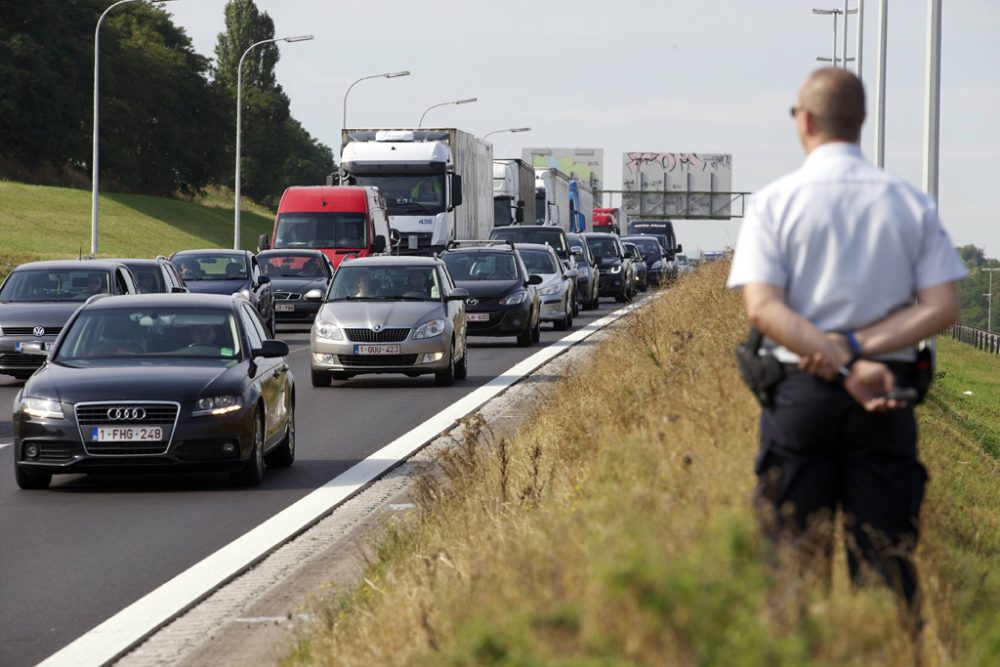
(342,221)
(606,220)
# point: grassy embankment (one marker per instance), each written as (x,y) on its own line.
(39,222)
(615,529)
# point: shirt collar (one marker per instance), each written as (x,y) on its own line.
(833,150)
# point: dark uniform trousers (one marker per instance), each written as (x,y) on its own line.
(819,449)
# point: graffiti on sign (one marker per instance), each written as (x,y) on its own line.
(679,185)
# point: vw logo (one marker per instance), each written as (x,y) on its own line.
(38,331)
(126,414)
(376,328)
(472,302)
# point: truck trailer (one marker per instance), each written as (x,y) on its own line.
(581,206)
(437,182)
(513,192)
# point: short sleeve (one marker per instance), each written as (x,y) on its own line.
(757,258)
(938,261)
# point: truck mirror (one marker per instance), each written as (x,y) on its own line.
(679,248)
(379,246)
(394,238)
(456,191)
(519,212)
(262,243)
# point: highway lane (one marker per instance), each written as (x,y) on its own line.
(76,554)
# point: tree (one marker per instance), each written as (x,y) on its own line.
(973,290)
(245,26)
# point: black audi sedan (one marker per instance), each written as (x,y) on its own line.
(502,299)
(227,272)
(37,298)
(296,275)
(157,383)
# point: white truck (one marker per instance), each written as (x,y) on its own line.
(581,206)
(513,192)
(437,183)
(552,198)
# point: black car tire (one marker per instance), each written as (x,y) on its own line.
(32,480)
(252,472)
(563,324)
(272,325)
(536,331)
(446,378)
(283,455)
(462,368)
(321,378)
(595,303)
(526,337)
(576,304)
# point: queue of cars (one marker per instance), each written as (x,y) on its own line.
(163,364)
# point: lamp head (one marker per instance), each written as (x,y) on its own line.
(299,38)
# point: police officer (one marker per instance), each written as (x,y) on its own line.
(844,269)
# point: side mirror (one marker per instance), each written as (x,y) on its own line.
(270,349)
(177,289)
(535,279)
(262,243)
(456,191)
(379,246)
(313,295)
(458,294)
(679,248)
(263,280)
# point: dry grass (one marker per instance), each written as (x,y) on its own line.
(615,529)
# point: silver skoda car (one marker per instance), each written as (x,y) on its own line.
(390,315)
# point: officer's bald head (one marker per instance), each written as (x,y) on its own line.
(836,100)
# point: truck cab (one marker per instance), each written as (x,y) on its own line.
(341,221)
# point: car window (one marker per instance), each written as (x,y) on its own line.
(539,261)
(123,334)
(603,247)
(55,285)
(481,266)
(212,267)
(292,266)
(250,323)
(386,283)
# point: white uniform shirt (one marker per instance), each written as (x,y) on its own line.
(849,243)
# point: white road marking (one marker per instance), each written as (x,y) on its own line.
(115,636)
(5,444)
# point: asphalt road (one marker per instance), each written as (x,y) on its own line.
(74,555)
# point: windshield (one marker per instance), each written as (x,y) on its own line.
(321,230)
(502,212)
(146,333)
(481,266)
(148,278)
(291,266)
(409,194)
(385,283)
(54,285)
(647,246)
(554,236)
(538,261)
(603,248)
(211,267)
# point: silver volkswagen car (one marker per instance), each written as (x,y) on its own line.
(390,315)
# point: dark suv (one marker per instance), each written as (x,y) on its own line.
(218,271)
(616,266)
(502,299)
(38,298)
(545,235)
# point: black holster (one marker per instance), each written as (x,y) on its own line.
(761,372)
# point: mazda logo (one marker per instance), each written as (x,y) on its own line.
(472,302)
(376,328)
(38,331)
(126,414)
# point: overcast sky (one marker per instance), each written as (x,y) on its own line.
(708,76)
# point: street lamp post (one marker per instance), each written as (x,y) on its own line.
(444,104)
(387,75)
(989,301)
(835,13)
(513,129)
(95,156)
(239,120)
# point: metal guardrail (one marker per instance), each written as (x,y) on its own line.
(981,339)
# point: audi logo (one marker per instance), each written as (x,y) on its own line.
(38,331)
(126,414)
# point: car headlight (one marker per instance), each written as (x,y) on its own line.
(44,408)
(514,299)
(217,405)
(429,329)
(245,293)
(328,330)
(550,290)
(617,268)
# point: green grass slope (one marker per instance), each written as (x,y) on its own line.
(41,222)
